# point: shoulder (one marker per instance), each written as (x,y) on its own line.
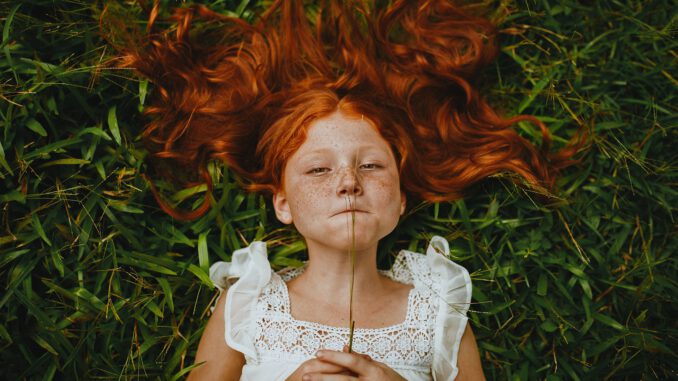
(220,361)
(242,281)
(434,271)
(248,266)
(468,360)
(273,296)
(449,286)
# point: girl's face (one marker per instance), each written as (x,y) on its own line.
(343,165)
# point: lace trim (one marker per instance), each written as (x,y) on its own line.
(287,313)
(404,346)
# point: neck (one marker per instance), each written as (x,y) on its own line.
(329,272)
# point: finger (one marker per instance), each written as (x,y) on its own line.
(319,366)
(327,377)
(355,362)
(345,349)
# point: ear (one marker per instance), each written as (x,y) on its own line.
(282,208)
(403,202)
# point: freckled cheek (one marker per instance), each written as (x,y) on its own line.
(385,189)
(309,198)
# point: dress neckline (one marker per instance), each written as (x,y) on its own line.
(287,310)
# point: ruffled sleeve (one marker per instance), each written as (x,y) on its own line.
(450,287)
(452,283)
(243,279)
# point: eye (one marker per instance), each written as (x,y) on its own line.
(318,171)
(370,166)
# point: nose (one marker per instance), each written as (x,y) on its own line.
(349,183)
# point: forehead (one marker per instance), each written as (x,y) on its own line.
(340,131)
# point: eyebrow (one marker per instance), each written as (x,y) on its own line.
(362,148)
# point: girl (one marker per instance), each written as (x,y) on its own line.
(342,123)
(343,174)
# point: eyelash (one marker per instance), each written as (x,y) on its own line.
(322,170)
(317,171)
(372,166)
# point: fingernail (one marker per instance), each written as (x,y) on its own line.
(306,378)
(319,354)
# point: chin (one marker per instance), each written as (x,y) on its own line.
(362,241)
(337,236)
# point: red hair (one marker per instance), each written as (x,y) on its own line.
(245,94)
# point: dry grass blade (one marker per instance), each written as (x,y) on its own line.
(351,254)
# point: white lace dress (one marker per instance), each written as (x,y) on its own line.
(422,347)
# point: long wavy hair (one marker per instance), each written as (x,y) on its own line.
(246,94)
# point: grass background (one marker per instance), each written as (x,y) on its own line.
(98,283)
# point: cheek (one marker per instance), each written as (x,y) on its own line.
(386,192)
(389,185)
(308,197)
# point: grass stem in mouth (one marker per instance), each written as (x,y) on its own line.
(351,253)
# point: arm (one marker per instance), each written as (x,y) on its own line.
(221,361)
(468,359)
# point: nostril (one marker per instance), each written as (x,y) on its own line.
(348,182)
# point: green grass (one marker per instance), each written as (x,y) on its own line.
(98,283)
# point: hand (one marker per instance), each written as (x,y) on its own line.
(317,366)
(361,366)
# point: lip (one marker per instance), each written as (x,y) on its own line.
(349,211)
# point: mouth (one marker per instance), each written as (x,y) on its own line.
(348,211)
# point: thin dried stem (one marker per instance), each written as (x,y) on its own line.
(351,253)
